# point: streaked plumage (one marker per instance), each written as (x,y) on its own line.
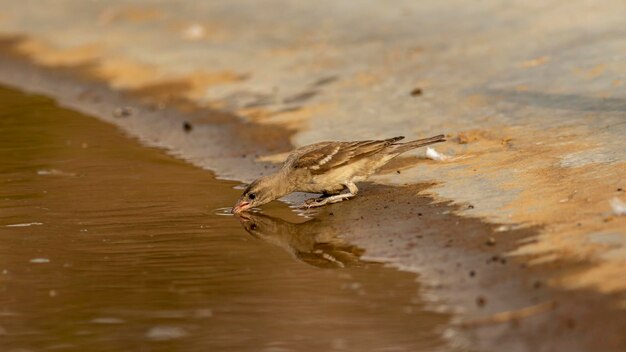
(327,168)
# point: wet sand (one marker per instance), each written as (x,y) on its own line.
(106,245)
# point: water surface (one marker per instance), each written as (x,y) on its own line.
(106,245)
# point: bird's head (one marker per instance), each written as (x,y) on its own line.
(257,193)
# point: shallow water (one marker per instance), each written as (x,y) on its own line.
(106,245)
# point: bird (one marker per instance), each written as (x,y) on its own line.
(331,168)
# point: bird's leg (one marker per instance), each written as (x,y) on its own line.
(318,202)
(321,198)
(352,188)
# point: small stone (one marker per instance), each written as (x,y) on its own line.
(194,32)
(125,111)
(416,92)
(187,126)
(472,273)
(490,241)
(481,301)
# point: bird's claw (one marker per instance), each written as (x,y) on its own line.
(313,202)
(318,202)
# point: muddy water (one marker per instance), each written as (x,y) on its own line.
(106,245)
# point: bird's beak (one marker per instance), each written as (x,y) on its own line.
(240,206)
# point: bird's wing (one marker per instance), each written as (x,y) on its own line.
(322,157)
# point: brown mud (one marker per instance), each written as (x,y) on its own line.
(461,260)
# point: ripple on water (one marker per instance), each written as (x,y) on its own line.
(228,211)
(107,320)
(164,333)
(27,224)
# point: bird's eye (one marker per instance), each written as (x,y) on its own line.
(252,196)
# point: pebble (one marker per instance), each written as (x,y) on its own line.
(125,111)
(416,92)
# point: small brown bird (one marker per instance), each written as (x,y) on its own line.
(328,168)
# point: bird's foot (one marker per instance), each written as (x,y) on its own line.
(314,202)
(321,201)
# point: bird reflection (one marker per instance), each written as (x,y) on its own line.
(311,242)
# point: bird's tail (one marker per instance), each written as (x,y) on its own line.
(404,147)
